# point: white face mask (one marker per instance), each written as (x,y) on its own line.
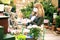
(35,9)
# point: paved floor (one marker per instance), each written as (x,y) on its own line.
(49,35)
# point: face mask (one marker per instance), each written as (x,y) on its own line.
(35,9)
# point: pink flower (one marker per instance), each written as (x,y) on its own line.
(46,20)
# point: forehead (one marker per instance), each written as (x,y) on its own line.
(35,10)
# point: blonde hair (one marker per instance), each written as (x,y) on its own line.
(40,9)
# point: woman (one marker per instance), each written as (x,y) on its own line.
(40,14)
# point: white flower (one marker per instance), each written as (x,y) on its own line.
(26,30)
(29,27)
(34,26)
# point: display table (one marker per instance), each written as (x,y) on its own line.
(4,23)
(1,32)
(8,37)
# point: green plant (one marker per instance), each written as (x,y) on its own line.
(27,11)
(57,21)
(35,32)
(13,8)
(49,9)
(45,17)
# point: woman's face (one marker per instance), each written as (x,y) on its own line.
(35,9)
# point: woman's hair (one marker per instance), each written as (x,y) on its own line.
(40,9)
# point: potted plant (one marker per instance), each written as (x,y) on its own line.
(57,25)
(49,9)
(46,21)
(35,32)
(28,10)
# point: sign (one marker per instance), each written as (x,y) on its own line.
(1,7)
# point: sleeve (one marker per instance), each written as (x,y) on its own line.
(32,18)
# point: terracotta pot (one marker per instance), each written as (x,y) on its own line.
(46,26)
(53,27)
(50,28)
(58,29)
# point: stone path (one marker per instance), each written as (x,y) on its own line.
(49,35)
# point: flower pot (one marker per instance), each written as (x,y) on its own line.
(53,28)
(46,21)
(50,27)
(58,29)
(46,26)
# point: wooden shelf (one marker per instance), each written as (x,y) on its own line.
(4,23)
